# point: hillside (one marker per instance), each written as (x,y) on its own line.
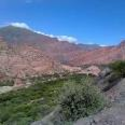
(103,55)
(24,51)
(25,60)
(61,51)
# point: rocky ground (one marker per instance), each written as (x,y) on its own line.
(114,115)
(5,89)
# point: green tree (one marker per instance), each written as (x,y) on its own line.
(118,68)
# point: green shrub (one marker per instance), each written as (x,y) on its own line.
(7,83)
(80,100)
(118,68)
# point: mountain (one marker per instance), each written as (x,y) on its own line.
(25,60)
(60,52)
(89,46)
(99,56)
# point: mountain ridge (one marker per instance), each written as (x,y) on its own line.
(60,50)
(64,52)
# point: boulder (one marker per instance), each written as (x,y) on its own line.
(105,72)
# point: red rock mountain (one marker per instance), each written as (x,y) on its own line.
(24,52)
(103,55)
(61,51)
(25,60)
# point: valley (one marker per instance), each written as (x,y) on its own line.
(45,81)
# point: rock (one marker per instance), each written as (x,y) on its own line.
(105,72)
(5,89)
(18,82)
(112,116)
(48,120)
(119,93)
(92,70)
(86,121)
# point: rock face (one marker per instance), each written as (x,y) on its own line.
(103,55)
(112,116)
(21,61)
(24,52)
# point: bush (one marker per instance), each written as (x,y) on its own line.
(80,100)
(118,68)
(7,83)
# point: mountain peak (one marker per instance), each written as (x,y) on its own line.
(22,25)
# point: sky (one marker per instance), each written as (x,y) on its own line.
(87,21)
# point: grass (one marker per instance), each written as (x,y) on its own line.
(28,105)
(24,106)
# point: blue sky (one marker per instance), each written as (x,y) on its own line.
(90,21)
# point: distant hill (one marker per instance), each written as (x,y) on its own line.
(89,46)
(102,55)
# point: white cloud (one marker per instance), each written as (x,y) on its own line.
(42,33)
(67,38)
(60,38)
(90,43)
(20,25)
(103,45)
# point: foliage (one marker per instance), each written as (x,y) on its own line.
(80,100)
(118,68)
(7,83)
(29,104)
(23,106)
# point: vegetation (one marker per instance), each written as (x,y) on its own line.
(7,83)
(21,107)
(118,68)
(24,106)
(80,100)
